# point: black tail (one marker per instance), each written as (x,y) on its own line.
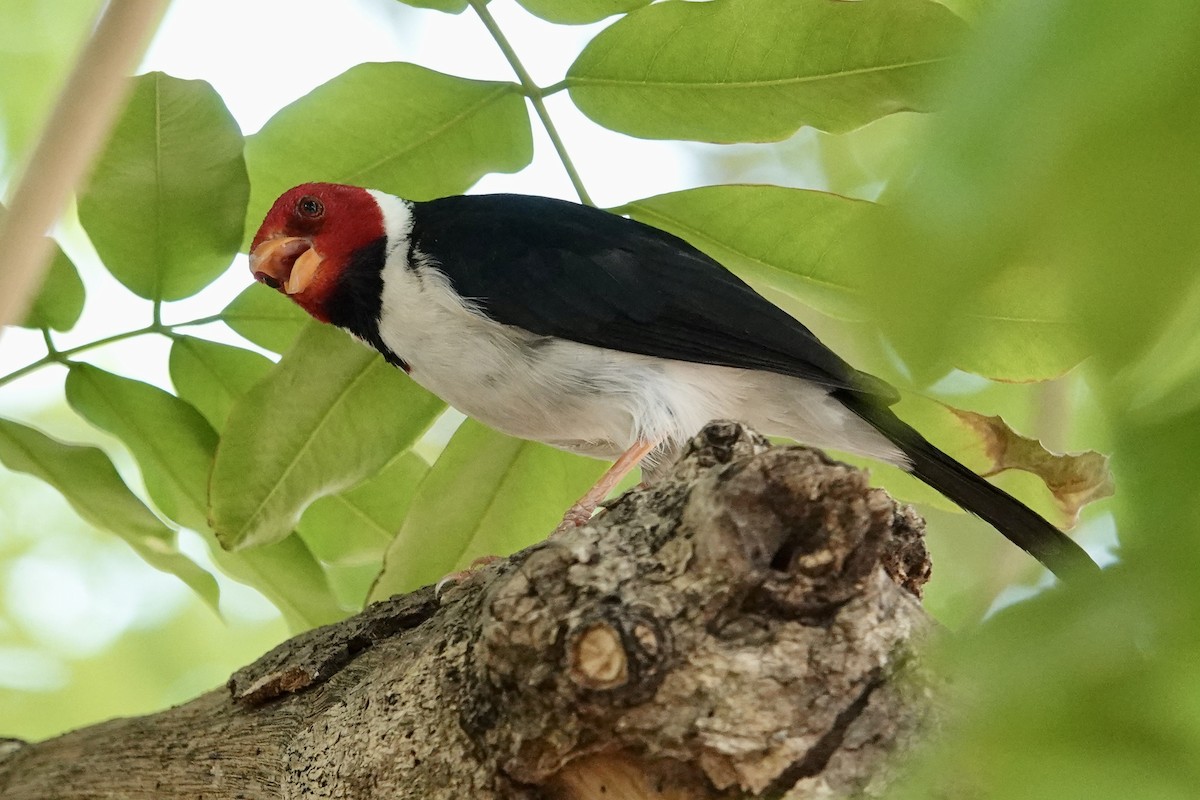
(1019,523)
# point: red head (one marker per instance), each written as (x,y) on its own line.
(307,238)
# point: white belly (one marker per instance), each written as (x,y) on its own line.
(590,400)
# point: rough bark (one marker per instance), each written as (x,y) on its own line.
(746,626)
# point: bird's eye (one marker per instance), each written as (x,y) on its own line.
(310,207)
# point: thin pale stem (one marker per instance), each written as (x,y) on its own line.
(191,323)
(535,95)
(56,356)
(51,350)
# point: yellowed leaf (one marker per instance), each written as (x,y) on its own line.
(1075,479)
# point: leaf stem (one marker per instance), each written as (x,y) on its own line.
(56,356)
(535,95)
(198,321)
(51,350)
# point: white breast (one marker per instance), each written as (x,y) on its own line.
(578,397)
(569,395)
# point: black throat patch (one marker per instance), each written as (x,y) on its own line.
(357,301)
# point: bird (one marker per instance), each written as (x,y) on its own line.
(596,334)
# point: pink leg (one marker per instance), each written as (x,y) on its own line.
(581,512)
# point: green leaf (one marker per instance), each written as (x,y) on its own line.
(355,527)
(88,480)
(212,376)
(757,70)
(969,9)
(171,442)
(290,576)
(60,301)
(350,528)
(38,44)
(351,531)
(166,201)
(1019,327)
(174,448)
(808,244)
(820,248)
(330,414)
(1096,179)
(488,494)
(265,317)
(1166,381)
(395,127)
(448,6)
(579,12)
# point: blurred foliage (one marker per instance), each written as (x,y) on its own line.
(1028,251)
(88,631)
(37,43)
(1070,144)
(91,485)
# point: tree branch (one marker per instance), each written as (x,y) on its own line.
(742,626)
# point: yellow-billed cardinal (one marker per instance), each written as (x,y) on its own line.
(593,333)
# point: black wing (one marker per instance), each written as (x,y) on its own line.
(561,269)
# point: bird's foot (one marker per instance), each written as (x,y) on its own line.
(576,516)
(581,512)
(455,578)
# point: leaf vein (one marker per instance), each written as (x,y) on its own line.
(695,234)
(754,84)
(260,509)
(431,134)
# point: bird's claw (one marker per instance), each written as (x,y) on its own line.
(455,578)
